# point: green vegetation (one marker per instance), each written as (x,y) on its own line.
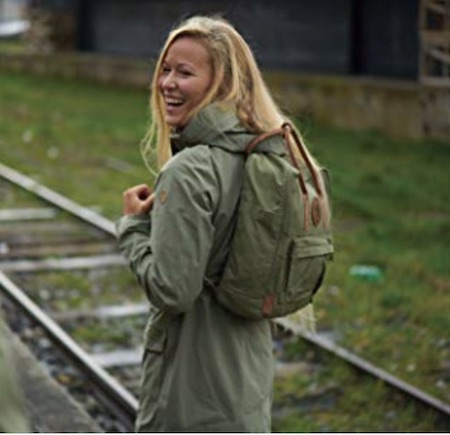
(13,45)
(333,399)
(82,140)
(80,289)
(108,334)
(391,205)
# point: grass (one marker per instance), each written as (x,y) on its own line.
(74,136)
(394,193)
(80,290)
(391,206)
(107,335)
(344,403)
(12,45)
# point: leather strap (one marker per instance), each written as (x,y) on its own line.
(287,131)
(258,139)
(302,148)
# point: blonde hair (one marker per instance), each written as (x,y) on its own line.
(237,84)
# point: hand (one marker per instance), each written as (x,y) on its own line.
(138,200)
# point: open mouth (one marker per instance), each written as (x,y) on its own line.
(173,102)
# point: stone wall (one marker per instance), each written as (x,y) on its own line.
(394,107)
(50,30)
(123,71)
(397,108)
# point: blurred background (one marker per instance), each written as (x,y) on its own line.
(367,82)
(390,40)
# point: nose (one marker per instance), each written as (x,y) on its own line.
(168,81)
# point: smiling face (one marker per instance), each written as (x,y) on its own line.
(184,79)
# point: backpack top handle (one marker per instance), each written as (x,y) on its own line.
(287,131)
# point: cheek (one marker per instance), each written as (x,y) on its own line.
(159,83)
(202,90)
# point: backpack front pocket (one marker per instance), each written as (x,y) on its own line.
(304,270)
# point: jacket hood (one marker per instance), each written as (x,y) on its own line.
(218,127)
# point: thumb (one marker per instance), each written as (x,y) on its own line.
(148,202)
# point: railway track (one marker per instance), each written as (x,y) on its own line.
(59,264)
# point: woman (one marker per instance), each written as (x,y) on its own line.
(204,368)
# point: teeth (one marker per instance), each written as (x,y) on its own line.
(173,101)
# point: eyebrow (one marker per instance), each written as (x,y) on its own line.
(182,64)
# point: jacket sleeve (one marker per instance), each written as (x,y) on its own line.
(169,250)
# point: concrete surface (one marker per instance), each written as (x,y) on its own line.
(49,407)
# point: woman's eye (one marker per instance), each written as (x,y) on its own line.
(185,73)
(165,70)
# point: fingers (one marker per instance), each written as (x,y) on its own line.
(149,201)
(142,191)
(147,204)
(137,200)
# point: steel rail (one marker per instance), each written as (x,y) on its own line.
(106,225)
(57,199)
(116,397)
(365,366)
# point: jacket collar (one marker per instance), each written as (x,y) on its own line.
(219,127)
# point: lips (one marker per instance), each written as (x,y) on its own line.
(175,108)
(173,101)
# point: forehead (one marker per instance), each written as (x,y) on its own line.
(187,49)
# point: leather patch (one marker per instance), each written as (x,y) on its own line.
(316,212)
(163,196)
(267,305)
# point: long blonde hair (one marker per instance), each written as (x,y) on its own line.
(237,84)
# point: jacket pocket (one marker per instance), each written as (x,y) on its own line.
(152,378)
(153,374)
(155,334)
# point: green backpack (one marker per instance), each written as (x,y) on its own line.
(282,240)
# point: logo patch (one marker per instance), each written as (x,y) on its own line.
(163,196)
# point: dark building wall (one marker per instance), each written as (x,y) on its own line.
(312,36)
(137,27)
(299,34)
(367,37)
(387,39)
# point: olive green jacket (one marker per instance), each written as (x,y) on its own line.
(204,368)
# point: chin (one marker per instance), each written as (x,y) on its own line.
(172,122)
(175,123)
